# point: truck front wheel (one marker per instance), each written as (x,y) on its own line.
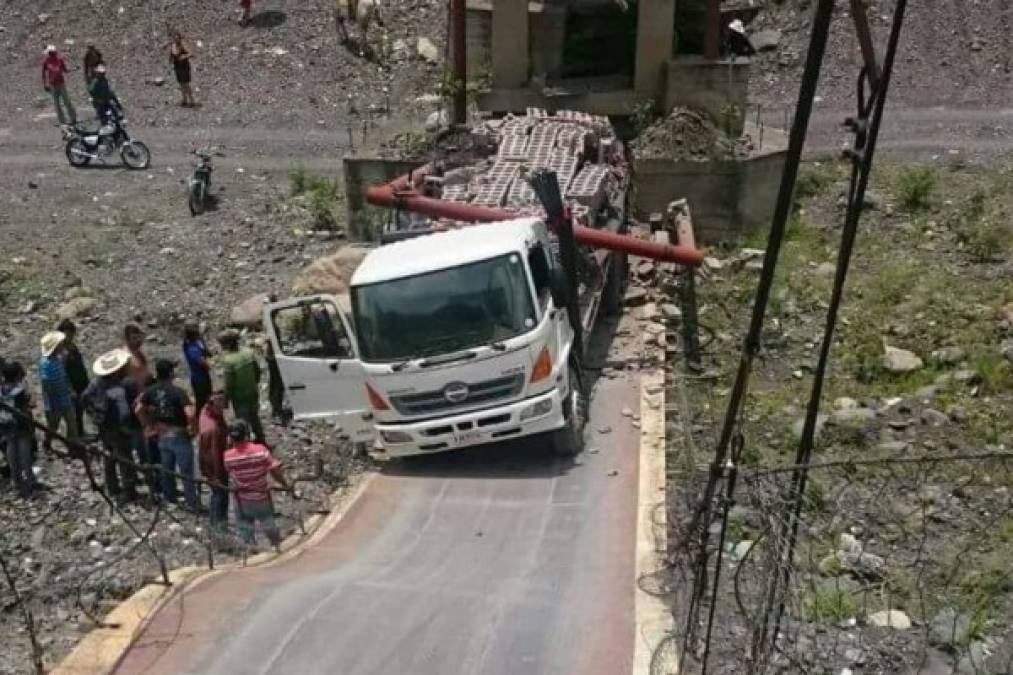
(569,440)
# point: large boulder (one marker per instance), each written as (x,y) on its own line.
(76,307)
(898,361)
(247,314)
(330,274)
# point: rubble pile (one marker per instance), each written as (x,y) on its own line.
(582,149)
(687,134)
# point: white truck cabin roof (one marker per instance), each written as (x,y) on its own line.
(442,250)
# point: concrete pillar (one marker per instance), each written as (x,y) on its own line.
(509,43)
(655,34)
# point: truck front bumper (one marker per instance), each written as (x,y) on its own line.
(534,415)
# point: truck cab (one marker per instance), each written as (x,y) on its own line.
(453,339)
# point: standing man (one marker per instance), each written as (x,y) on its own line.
(108,400)
(54,68)
(16,428)
(245,7)
(180,57)
(57,395)
(242,382)
(212,441)
(168,410)
(195,350)
(275,387)
(248,465)
(77,372)
(144,439)
(92,60)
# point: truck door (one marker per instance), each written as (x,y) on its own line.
(315,350)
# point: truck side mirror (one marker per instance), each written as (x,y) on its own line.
(559,288)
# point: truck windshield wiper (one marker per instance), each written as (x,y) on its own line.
(498,346)
(448,358)
(401,365)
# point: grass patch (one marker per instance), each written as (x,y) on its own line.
(321,194)
(916,186)
(828,605)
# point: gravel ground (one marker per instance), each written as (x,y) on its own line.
(276,96)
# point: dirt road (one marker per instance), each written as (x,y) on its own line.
(500,560)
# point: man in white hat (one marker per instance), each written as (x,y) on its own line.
(57,395)
(54,68)
(108,402)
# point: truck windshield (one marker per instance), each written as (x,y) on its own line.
(444,311)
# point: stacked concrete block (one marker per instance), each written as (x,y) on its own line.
(495,184)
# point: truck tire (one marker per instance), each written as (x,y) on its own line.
(615,287)
(569,440)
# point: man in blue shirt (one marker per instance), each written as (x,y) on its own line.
(196,353)
(57,394)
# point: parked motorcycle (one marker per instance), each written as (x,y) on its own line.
(200,182)
(84,145)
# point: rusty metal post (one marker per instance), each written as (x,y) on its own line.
(864,34)
(680,223)
(712,38)
(459,32)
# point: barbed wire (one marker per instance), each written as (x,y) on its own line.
(218,536)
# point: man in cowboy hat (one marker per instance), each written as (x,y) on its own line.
(57,395)
(108,402)
(54,68)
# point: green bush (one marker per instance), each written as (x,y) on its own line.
(915,186)
(297,181)
(828,605)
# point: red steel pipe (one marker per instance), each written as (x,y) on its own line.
(397,194)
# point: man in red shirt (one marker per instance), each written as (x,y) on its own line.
(212,441)
(53,70)
(248,465)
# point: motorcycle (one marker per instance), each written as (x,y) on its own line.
(200,182)
(84,145)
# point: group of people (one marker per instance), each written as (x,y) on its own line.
(54,72)
(54,81)
(147,423)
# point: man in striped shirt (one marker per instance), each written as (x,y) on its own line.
(57,395)
(248,465)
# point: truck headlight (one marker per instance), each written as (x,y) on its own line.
(396,437)
(537,410)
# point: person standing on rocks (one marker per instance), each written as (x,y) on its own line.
(242,382)
(57,394)
(212,441)
(77,372)
(195,351)
(143,439)
(248,465)
(92,60)
(166,408)
(108,401)
(180,57)
(16,427)
(54,69)
(245,9)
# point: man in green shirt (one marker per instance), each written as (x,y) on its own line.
(241,374)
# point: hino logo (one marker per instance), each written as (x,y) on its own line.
(455,392)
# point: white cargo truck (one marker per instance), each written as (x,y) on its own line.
(454,339)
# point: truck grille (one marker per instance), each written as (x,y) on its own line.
(479,393)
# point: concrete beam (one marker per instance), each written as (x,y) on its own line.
(619,103)
(510,43)
(655,41)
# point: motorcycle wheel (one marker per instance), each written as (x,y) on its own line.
(198,193)
(77,153)
(135,155)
